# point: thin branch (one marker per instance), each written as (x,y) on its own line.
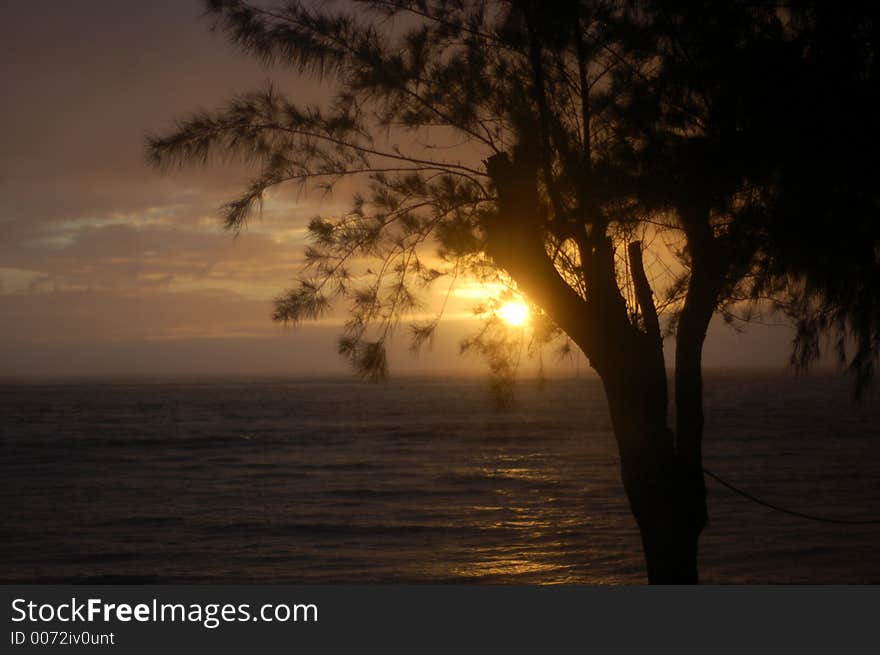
(643,293)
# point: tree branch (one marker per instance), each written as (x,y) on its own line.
(644,294)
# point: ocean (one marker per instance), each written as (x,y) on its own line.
(259,480)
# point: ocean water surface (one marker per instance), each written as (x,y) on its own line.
(419,480)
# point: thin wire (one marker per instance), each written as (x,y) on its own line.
(803,515)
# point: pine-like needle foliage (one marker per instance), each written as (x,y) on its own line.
(740,135)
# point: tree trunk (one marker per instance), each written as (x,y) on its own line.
(662,474)
(659,486)
(670,530)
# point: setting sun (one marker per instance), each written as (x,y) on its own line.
(514,313)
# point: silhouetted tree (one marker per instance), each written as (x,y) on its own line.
(560,146)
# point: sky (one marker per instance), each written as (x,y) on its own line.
(108,267)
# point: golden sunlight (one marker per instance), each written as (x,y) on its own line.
(514,313)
